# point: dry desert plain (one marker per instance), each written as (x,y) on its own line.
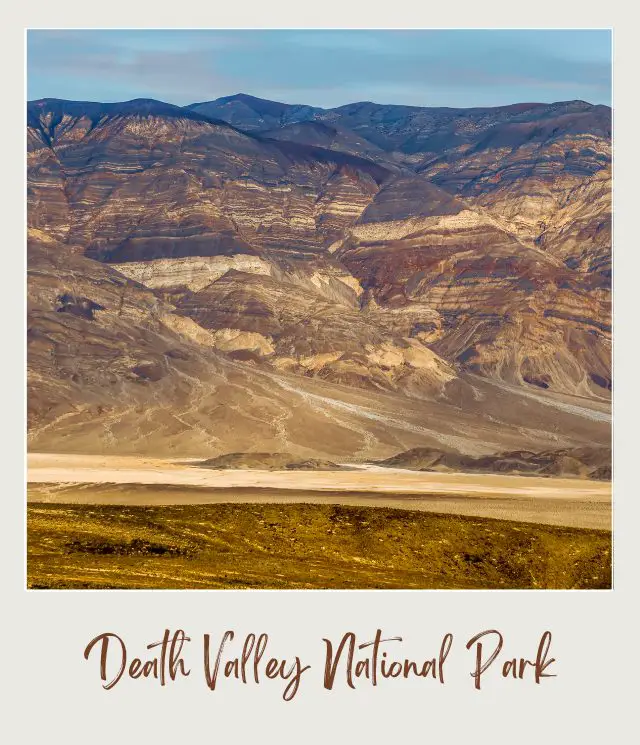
(125,521)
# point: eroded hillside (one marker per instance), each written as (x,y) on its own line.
(349,283)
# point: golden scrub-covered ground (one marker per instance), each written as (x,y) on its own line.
(303,546)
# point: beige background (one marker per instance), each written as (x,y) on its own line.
(51,694)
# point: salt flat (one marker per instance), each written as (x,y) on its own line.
(130,480)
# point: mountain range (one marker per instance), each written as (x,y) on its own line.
(243,274)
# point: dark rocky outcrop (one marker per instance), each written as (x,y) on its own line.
(583,462)
(269,462)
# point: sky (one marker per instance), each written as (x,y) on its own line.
(327,68)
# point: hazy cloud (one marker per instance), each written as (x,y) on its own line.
(323,68)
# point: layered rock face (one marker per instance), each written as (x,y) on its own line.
(579,233)
(534,167)
(445,258)
(168,183)
(112,368)
(315,331)
(190,207)
(502,308)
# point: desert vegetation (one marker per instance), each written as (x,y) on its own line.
(303,546)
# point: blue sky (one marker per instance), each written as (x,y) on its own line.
(323,67)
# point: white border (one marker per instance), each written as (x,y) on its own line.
(55,694)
